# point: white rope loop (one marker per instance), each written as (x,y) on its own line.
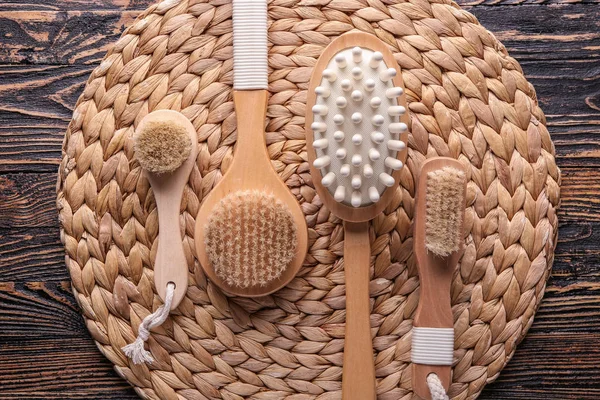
(135,351)
(436,388)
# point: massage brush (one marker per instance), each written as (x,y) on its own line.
(438,245)
(356,140)
(165,145)
(251,235)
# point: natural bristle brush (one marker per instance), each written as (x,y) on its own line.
(356,128)
(438,244)
(165,144)
(251,234)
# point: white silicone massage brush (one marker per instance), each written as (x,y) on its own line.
(356,144)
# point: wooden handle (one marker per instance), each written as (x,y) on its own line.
(170,264)
(358,377)
(434,311)
(251,149)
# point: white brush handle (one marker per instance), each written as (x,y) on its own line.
(250,44)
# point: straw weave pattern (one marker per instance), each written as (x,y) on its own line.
(467,99)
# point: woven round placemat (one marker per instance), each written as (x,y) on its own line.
(468,100)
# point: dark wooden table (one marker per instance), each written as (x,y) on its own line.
(49,47)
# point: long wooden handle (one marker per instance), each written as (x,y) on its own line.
(358,377)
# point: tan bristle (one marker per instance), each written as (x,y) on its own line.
(445,206)
(250,238)
(162,146)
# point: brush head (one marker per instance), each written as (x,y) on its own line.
(250,239)
(162,146)
(445,210)
(356,124)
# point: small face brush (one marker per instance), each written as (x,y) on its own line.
(356,141)
(251,234)
(438,243)
(165,144)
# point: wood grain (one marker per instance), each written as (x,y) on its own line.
(58,37)
(140,5)
(27,200)
(530,32)
(47,50)
(31,254)
(76,5)
(55,375)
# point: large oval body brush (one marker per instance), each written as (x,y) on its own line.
(438,244)
(251,235)
(356,139)
(165,145)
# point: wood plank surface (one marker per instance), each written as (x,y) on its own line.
(47,50)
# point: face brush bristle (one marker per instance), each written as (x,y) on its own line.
(250,238)
(445,206)
(162,146)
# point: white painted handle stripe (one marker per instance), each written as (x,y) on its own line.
(250,63)
(432,346)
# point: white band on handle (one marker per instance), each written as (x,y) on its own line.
(432,346)
(250,44)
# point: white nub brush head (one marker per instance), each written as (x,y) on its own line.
(357,126)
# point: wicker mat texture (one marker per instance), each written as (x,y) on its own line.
(468,100)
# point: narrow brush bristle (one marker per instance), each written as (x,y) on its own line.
(162,146)
(250,239)
(445,204)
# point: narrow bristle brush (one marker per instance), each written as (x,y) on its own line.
(356,141)
(438,245)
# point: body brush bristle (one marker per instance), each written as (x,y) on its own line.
(445,210)
(250,238)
